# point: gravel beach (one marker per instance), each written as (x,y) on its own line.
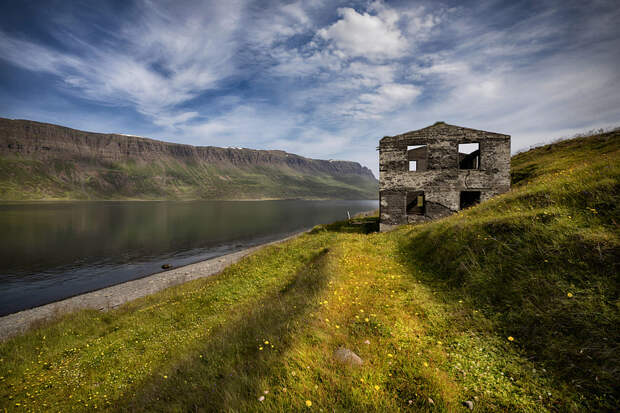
(116,295)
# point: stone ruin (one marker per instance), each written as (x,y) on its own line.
(438,170)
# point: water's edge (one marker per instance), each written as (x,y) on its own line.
(112,297)
(56,251)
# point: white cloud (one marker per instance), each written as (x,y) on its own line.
(165,58)
(365,35)
(384,99)
(371,75)
(421,23)
(327,82)
(250,125)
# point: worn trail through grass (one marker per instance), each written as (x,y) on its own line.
(509,306)
(268,328)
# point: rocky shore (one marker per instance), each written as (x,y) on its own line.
(117,295)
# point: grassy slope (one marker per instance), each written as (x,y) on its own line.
(22,179)
(436,303)
(542,261)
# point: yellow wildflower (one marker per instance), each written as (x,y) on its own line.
(569,295)
(260,348)
(308,403)
(511,338)
(376,387)
(366,319)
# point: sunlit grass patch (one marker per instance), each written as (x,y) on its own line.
(508,306)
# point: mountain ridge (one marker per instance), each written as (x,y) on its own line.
(84,162)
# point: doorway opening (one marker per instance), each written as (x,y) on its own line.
(469,199)
(416,204)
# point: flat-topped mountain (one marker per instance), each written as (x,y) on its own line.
(46,161)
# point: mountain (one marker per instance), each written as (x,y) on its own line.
(45,161)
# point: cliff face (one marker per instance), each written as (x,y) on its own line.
(68,163)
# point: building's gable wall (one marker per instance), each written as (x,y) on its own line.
(442,181)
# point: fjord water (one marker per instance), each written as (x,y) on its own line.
(50,251)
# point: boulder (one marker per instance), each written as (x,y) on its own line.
(346,356)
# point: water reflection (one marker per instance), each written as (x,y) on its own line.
(50,251)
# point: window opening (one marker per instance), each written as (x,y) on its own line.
(469,155)
(416,204)
(417,157)
(469,199)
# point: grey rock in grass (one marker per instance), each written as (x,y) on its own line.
(469,404)
(346,356)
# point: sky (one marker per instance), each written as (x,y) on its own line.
(320,78)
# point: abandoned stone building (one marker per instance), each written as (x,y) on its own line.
(433,172)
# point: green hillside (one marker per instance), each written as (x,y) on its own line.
(541,262)
(508,306)
(42,161)
(31,179)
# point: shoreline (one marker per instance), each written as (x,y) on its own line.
(116,295)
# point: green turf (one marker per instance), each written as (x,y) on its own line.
(27,179)
(511,305)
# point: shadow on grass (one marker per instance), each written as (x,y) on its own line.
(575,339)
(227,372)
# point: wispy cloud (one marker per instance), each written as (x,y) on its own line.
(167,57)
(319,78)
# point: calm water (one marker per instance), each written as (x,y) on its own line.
(51,251)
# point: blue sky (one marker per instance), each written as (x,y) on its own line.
(323,79)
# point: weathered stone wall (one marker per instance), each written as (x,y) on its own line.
(442,180)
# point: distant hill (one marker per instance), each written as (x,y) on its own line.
(44,161)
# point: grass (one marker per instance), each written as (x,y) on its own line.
(512,305)
(24,179)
